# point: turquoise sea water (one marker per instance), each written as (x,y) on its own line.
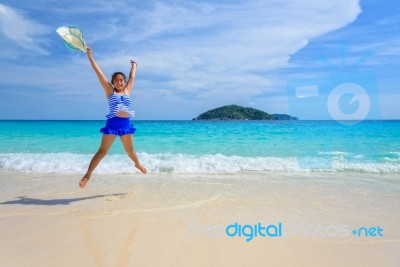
(206,146)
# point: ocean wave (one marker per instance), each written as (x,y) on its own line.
(185,163)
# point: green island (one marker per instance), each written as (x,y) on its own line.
(235,112)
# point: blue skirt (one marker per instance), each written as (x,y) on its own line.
(118,126)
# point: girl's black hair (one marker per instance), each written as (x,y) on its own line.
(117,73)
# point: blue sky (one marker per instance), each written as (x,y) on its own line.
(196,55)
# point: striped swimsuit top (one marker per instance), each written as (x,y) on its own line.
(118,103)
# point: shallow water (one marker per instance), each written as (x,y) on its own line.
(206,146)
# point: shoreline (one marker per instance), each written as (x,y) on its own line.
(177,220)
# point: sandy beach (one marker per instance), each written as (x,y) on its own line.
(181,220)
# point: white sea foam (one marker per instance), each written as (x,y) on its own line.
(184,163)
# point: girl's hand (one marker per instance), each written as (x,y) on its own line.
(133,62)
(89,52)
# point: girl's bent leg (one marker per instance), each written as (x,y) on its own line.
(106,142)
(127,141)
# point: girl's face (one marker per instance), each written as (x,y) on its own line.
(119,82)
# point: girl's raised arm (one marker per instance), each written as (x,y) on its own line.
(131,79)
(102,78)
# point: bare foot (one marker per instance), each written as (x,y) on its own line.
(141,168)
(83,182)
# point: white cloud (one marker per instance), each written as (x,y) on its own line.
(226,45)
(163,19)
(22,31)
